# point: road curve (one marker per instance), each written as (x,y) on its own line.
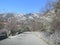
(26,38)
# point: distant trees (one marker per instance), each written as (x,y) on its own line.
(1,23)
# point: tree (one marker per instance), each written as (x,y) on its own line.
(1,25)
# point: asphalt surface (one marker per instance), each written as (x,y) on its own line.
(26,38)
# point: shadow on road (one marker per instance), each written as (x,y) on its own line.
(2,38)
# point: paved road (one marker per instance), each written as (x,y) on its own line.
(27,38)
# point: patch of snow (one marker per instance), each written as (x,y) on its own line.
(30,17)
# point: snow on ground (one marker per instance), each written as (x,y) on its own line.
(26,38)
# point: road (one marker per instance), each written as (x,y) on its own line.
(26,38)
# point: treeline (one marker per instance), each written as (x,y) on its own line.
(48,21)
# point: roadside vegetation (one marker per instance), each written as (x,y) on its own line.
(48,22)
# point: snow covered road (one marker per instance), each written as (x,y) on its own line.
(26,38)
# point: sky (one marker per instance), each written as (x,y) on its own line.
(21,6)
